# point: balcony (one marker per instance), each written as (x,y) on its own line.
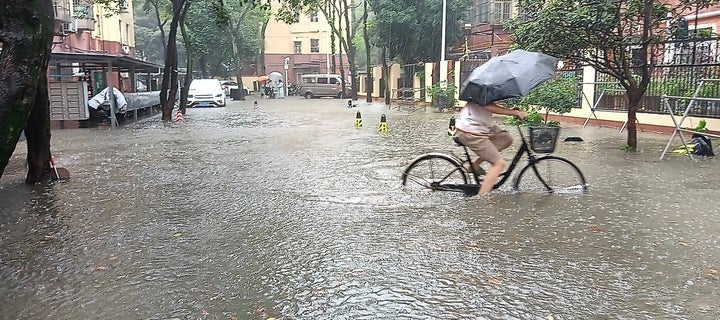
(62,10)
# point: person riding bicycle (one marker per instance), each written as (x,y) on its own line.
(475,128)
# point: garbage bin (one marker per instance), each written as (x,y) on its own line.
(235,94)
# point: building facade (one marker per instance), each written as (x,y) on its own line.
(82,27)
(304,47)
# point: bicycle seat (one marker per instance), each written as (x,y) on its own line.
(458,142)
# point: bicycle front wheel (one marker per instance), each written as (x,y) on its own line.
(436,172)
(551,174)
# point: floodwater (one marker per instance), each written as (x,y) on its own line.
(289,211)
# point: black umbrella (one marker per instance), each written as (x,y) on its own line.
(508,76)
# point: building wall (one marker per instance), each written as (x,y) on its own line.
(280,39)
(94,29)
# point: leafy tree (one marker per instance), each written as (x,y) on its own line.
(341,21)
(150,27)
(242,20)
(618,38)
(412,29)
(26,29)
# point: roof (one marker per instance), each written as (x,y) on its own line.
(99,61)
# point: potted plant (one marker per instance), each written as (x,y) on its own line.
(446,95)
(557,96)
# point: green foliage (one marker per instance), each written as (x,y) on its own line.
(533,119)
(447,93)
(557,96)
(411,29)
(702,126)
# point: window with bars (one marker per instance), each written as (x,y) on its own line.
(490,11)
(314,45)
(502,10)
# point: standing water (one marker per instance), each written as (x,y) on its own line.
(290,211)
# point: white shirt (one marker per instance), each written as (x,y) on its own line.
(474,118)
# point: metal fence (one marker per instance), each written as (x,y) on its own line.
(678,73)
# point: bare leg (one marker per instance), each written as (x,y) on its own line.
(492,175)
(475,165)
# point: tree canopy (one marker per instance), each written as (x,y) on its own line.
(619,38)
(411,29)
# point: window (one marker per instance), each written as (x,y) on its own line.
(334,81)
(314,45)
(502,10)
(322,80)
(314,17)
(298,47)
(480,11)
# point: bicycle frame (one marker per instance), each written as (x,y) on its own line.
(524,149)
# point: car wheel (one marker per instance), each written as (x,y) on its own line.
(308,95)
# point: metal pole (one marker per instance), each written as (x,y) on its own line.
(442,48)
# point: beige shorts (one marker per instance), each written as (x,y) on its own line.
(486,146)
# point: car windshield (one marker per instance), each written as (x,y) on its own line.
(229,83)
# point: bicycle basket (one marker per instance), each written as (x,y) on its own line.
(543,139)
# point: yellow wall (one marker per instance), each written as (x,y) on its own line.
(118,27)
(280,37)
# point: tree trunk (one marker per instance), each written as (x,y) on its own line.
(261,53)
(170,73)
(189,53)
(37,132)
(366,38)
(26,29)
(350,49)
(634,96)
(386,75)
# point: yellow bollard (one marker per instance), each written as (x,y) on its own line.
(383,124)
(358,120)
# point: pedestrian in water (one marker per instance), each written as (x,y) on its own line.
(281,90)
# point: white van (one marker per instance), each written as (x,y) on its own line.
(206,93)
(322,85)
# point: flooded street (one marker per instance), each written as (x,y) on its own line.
(288,211)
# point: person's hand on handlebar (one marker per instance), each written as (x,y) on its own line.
(521,115)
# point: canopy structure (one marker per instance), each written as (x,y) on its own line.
(99,61)
(66,67)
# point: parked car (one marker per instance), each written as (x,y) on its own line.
(229,85)
(323,85)
(206,93)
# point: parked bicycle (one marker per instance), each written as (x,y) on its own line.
(293,89)
(446,172)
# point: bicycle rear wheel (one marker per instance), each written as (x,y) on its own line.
(551,174)
(436,172)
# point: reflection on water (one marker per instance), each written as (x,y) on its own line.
(289,211)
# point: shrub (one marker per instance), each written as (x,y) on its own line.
(557,96)
(448,94)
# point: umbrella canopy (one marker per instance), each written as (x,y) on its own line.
(263,78)
(275,76)
(508,76)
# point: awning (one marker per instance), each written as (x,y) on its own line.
(99,61)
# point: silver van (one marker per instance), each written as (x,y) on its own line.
(322,85)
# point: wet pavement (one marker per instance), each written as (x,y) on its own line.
(290,211)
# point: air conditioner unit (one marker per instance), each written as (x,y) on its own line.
(69,27)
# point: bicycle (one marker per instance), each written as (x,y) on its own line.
(446,172)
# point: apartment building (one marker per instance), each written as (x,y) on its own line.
(304,47)
(93,48)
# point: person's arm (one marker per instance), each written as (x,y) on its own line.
(497,109)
